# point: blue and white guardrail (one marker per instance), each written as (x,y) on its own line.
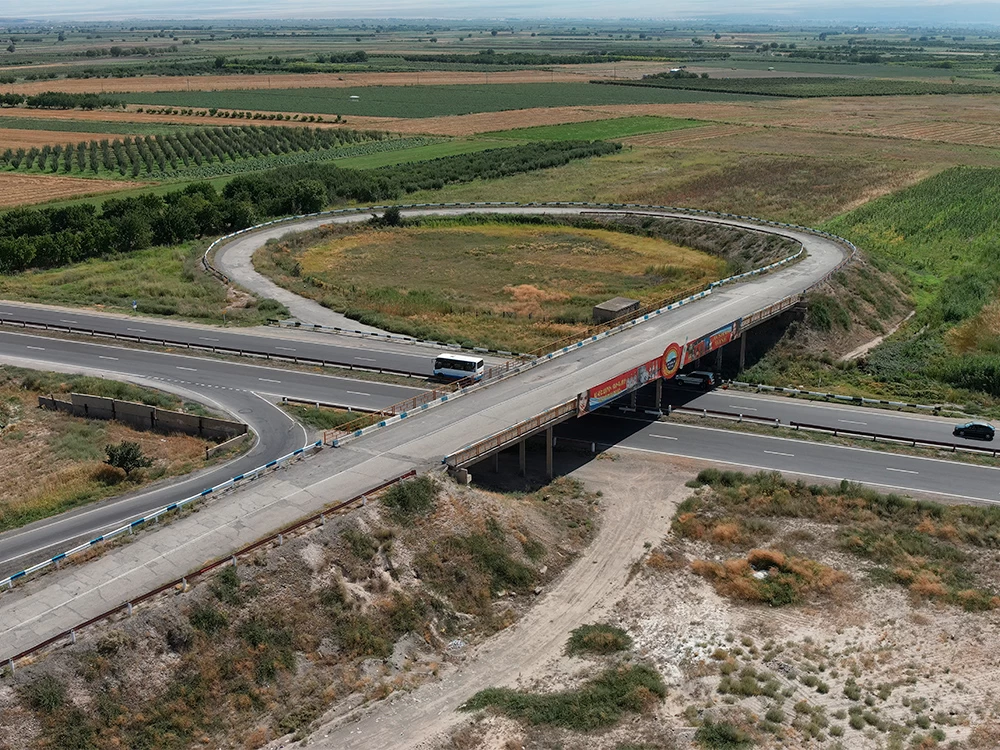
(131,525)
(836,396)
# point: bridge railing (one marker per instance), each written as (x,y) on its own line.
(471,453)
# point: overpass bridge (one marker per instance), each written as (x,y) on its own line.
(552,388)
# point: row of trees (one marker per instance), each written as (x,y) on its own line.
(491,57)
(156,154)
(48,237)
(65,100)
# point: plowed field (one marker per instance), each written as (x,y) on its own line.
(13,138)
(25,189)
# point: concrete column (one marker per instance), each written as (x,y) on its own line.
(631,400)
(743,350)
(548,453)
(659,393)
(496,462)
(718,359)
(523,457)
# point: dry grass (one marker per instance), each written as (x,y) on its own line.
(769,577)
(978,334)
(50,461)
(26,189)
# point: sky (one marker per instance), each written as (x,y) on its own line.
(886,12)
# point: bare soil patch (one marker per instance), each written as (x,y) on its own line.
(27,189)
(15,139)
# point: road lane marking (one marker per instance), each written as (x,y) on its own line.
(137,330)
(37,348)
(359,393)
(851,421)
(101,356)
(203,338)
(744,408)
(284,348)
(268,380)
(664,437)
(66,321)
(901,471)
(189,369)
(365,359)
(779,453)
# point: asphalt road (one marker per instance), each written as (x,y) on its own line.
(342,350)
(819,461)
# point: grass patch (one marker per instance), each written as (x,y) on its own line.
(722,735)
(938,552)
(597,639)
(424,101)
(599,703)
(413,153)
(513,285)
(596,130)
(326,418)
(165,281)
(412,497)
(117,127)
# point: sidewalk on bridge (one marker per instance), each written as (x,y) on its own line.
(52,603)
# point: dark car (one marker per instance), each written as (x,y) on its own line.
(698,379)
(979,430)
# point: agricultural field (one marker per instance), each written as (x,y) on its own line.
(425,101)
(54,462)
(595,130)
(803,88)
(82,125)
(24,189)
(505,286)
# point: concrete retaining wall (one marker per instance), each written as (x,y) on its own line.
(143,417)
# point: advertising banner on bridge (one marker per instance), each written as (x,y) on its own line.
(609,390)
(715,340)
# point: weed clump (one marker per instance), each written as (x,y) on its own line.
(597,639)
(769,577)
(599,703)
(412,497)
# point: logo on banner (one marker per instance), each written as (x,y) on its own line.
(671,361)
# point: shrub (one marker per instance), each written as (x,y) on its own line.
(415,496)
(109,475)
(722,735)
(46,694)
(598,639)
(208,619)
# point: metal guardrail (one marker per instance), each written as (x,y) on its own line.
(510,435)
(215,349)
(185,580)
(131,526)
(761,387)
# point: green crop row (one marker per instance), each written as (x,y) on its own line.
(800,87)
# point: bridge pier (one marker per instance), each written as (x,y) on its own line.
(548,453)
(523,456)
(743,351)
(659,394)
(718,359)
(496,462)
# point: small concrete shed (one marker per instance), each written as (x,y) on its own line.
(614,308)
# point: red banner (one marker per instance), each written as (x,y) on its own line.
(611,389)
(716,340)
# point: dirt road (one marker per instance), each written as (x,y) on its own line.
(639,497)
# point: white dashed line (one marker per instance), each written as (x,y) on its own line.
(37,348)
(779,453)
(268,380)
(284,348)
(101,356)
(364,359)
(67,321)
(189,369)
(203,338)
(743,408)
(901,471)
(851,421)
(137,330)
(359,393)
(663,437)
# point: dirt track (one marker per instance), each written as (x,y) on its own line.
(637,506)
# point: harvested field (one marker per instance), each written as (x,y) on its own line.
(971,133)
(684,138)
(14,138)
(311,80)
(26,189)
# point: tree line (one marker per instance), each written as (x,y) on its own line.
(60,100)
(50,237)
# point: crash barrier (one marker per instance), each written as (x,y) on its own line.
(326,405)
(396,337)
(182,583)
(155,515)
(229,444)
(143,416)
(498,441)
(760,387)
(215,349)
(838,431)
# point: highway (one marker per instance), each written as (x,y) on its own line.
(819,462)
(366,353)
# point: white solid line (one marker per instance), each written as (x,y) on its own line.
(359,393)
(787,455)
(268,380)
(101,356)
(189,369)
(664,437)
(851,421)
(37,348)
(901,471)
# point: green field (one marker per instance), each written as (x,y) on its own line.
(801,88)
(425,101)
(92,126)
(596,130)
(417,153)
